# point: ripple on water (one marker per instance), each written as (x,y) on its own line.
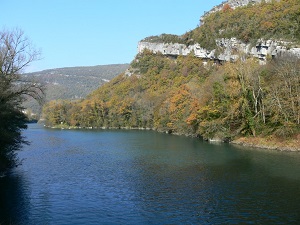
(129,177)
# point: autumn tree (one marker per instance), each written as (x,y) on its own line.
(284,95)
(16,53)
(183,96)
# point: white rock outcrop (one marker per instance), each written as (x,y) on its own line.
(175,49)
(231,49)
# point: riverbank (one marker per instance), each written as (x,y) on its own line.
(271,142)
(66,127)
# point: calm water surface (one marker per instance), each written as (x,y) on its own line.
(144,177)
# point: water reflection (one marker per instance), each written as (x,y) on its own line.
(14,199)
(277,163)
(131,177)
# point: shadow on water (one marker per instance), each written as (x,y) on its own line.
(14,201)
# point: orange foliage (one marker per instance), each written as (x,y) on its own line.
(226,8)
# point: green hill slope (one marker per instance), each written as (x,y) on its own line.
(73,82)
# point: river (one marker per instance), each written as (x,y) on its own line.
(144,177)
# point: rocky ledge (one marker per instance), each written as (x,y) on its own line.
(231,49)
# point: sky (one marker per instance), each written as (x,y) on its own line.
(96,32)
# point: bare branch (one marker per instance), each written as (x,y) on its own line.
(16,53)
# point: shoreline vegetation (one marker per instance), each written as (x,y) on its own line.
(270,142)
(242,102)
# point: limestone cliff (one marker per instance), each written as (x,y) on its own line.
(228,49)
(231,48)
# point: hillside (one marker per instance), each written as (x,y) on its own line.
(274,20)
(190,96)
(277,20)
(73,82)
(242,29)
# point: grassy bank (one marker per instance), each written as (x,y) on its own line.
(271,142)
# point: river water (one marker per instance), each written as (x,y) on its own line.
(144,177)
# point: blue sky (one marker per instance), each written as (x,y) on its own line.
(97,32)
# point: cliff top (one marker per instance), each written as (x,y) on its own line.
(233,4)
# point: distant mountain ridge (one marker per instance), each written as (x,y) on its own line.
(73,82)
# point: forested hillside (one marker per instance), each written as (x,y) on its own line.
(278,20)
(184,95)
(73,82)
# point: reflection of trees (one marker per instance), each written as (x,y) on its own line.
(14,201)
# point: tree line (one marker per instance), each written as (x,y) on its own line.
(186,96)
(71,82)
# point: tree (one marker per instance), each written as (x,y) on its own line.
(284,95)
(16,53)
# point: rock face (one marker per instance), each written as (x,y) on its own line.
(272,48)
(175,49)
(231,49)
(261,50)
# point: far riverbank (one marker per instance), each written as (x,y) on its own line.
(271,142)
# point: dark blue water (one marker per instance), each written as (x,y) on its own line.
(144,177)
